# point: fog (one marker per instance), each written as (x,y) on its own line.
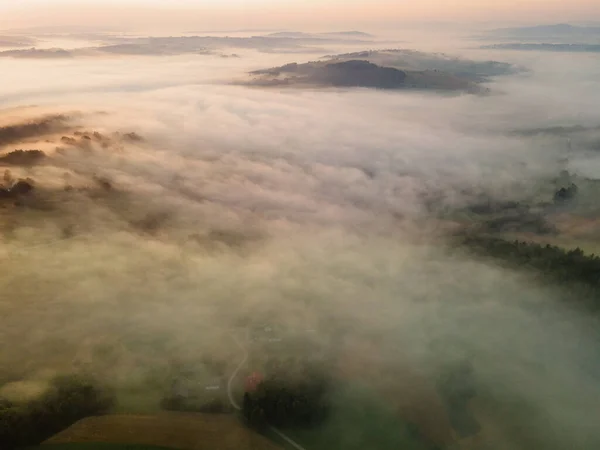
(327,209)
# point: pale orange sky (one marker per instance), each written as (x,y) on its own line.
(230,14)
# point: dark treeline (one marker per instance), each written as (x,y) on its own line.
(68,400)
(554,264)
(281,401)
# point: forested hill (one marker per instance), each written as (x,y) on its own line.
(553,264)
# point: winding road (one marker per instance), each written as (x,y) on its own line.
(232,378)
(235,374)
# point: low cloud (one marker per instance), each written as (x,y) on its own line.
(312,209)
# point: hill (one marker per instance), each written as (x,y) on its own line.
(37,53)
(173,430)
(359,73)
(345,74)
(412,60)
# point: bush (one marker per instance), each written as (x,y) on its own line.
(68,400)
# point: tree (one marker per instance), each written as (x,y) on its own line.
(283,398)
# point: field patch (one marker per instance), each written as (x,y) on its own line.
(181,431)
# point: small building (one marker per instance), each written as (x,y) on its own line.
(252,381)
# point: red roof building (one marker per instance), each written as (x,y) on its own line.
(252,381)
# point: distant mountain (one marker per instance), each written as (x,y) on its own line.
(329,35)
(557,30)
(349,33)
(205,44)
(290,34)
(573,48)
(359,73)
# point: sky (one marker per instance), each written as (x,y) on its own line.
(233,14)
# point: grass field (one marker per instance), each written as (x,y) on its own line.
(180,431)
(97,446)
